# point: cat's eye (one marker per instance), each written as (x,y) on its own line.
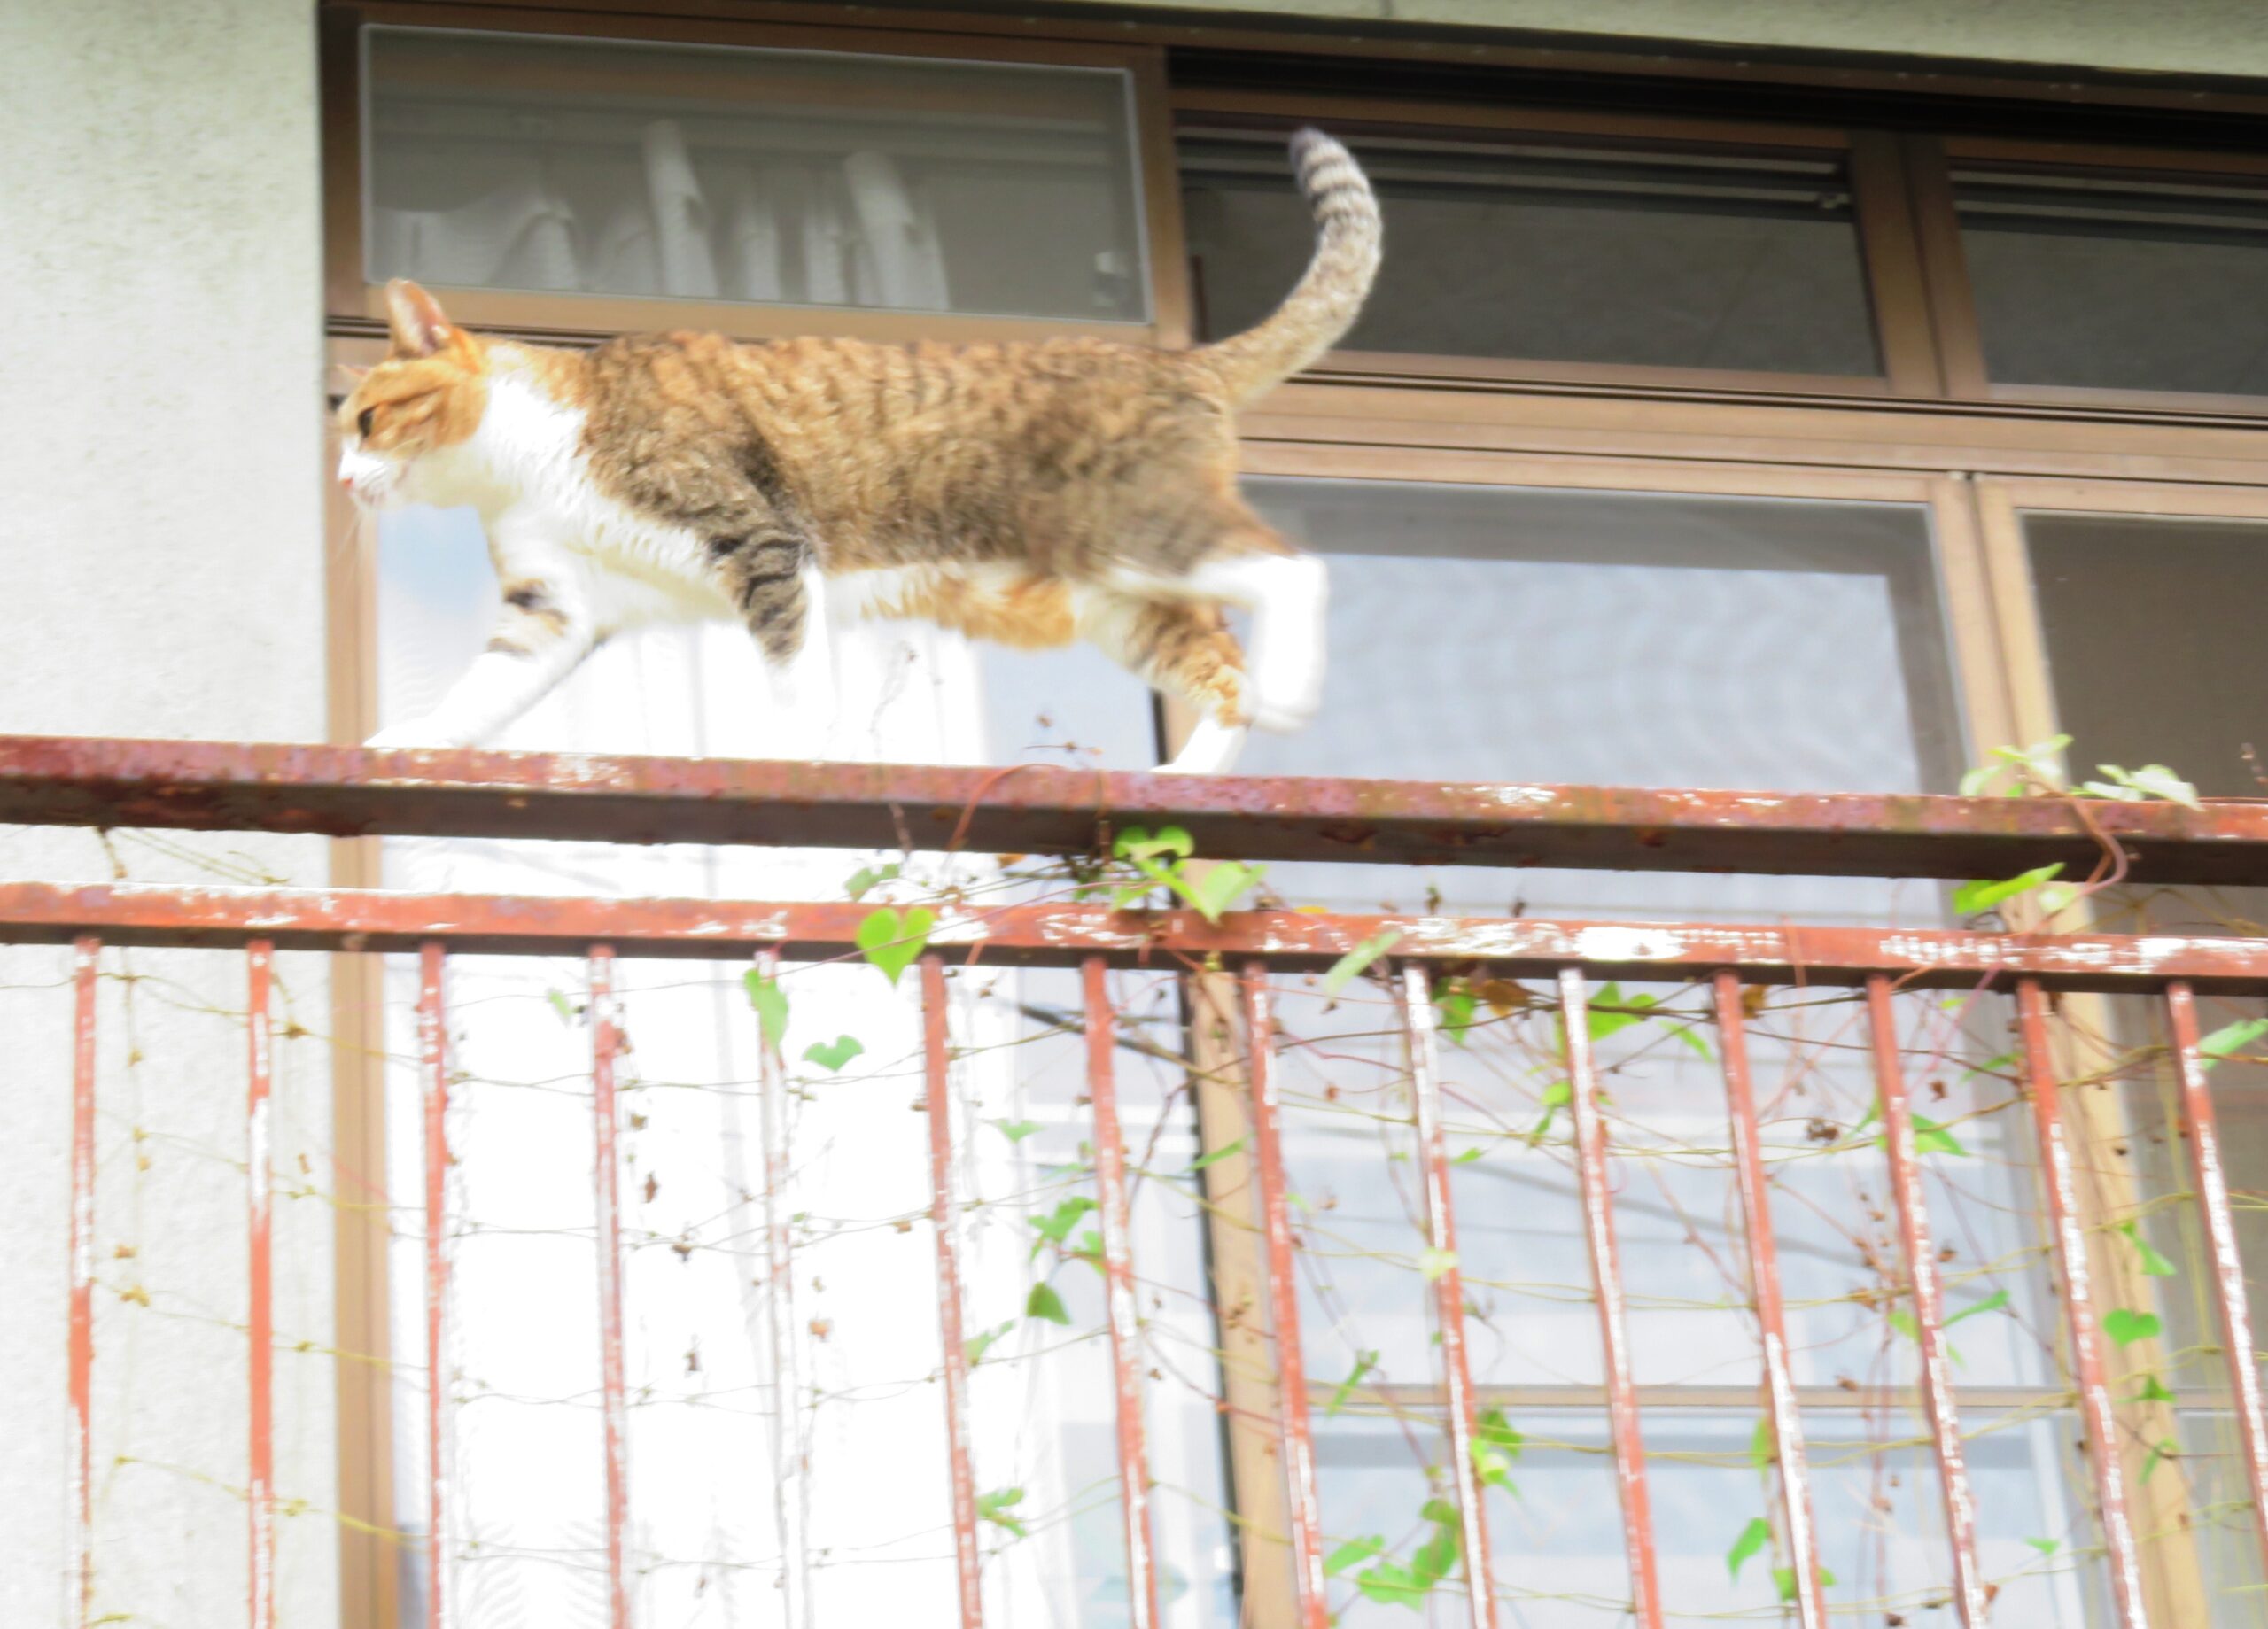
(364,422)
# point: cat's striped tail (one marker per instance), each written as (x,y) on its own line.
(1326,301)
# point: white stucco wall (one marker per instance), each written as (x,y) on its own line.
(160,571)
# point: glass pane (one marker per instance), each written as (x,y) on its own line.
(2107,281)
(1557,253)
(2152,658)
(1511,634)
(700,172)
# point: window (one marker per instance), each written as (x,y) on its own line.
(1666,259)
(2119,282)
(1667,452)
(704,173)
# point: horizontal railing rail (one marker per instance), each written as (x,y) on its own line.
(348,792)
(345,792)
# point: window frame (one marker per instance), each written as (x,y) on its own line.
(1932,429)
(355,306)
(1889,249)
(1961,337)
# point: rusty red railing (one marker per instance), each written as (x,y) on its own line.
(340,791)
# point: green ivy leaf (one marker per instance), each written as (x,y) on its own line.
(1763,1445)
(1973,898)
(2166,1449)
(1351,1553)
(1556,1096)
(1784,1580)
(866,879)
(975,1347)
(1752,1538)
(1390,1584)
(1219,887)
(1432,1262)
(1351,966)
(1436,1558)
(1929,1137)
(771,1004)
(1991,1065)
(1218,1154)
(1056,1226)
(1990,1303)
(560,1005)
(2046,1547)
(1135,843)
(1468,1155)
(2153,1265)
(1457,1003)
(994,1507)
(1042,1302)
(1016,1131)
(1974,782)
(1611,1011)
(831,1056)
(2153,1390)
(2230,1038)
(1364,1362)
(891,940)
(1496,1443)
(2125,1326)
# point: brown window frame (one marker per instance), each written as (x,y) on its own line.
(1930,430)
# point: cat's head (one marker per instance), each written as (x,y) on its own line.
(426,397)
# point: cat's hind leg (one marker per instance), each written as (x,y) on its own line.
(1287,592)
(1184,649)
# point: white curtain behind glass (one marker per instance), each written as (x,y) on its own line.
(524,1372)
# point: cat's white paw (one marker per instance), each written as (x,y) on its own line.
(1211,749)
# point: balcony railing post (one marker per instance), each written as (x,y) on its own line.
(79,1477)
(1771,1314)
(1929,1304)
(1118,1270)
(2060,1188)
(1284,1305)
(2212,1177)
(433,1079)
(1417,1017)
(790,1472)
(1606,1274)
(944,1220)
(260,1495)
(606,1041)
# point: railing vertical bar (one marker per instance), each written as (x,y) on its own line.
(606,1043)
(1284,1305)
(2062,1187)
(2220,1234)
(260,1497)
(433,1079)
(1118,1267)
(1771,1315)
(1929,1304)
(790,1473)
(944,1217)
(1448,1288)
(1607,1274)
(86,963)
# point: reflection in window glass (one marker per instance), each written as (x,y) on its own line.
(711,173)
(1558,253)
(2117,284)
(2154,653)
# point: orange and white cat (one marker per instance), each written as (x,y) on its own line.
(1031,493)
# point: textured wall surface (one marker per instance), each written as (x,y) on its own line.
(161,568)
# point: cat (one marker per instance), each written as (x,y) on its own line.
(1030,493)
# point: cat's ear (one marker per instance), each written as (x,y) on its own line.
(420,327)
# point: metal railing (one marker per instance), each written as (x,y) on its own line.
(347,792)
